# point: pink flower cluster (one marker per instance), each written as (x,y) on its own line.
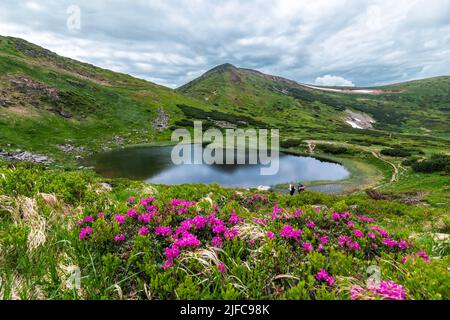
(234,218)
(347,241)
(323,276)
(276,212)
(120,219)
(387,290)
(181,206)
(84,232)
(119,238)
(143,231)
(289,232)
(163,231)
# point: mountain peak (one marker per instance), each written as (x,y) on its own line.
(223,68)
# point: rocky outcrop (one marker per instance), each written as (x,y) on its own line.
(70,148)
(27,85)
(25,156)
(161,122)
(5,103)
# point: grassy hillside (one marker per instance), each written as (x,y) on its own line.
(228,244)
(47,100)
(414,108)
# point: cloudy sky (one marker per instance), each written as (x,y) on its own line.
(170,42)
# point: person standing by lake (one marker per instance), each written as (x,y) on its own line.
(291,189)
(300,188)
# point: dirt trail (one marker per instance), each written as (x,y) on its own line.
(395,173)
(376,154)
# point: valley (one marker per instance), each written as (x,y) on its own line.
(135,239)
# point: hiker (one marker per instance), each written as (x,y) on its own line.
(291,189)
(300,188)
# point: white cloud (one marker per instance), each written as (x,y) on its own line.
(370,42)
(333,81)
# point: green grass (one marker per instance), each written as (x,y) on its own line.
(38,233)
(37,265)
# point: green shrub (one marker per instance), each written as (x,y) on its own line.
(329,148)
(398,153)
(437,163)
(291,143)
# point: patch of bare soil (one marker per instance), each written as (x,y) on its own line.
(411,198)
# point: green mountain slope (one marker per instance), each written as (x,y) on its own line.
(47,100)
(418,107)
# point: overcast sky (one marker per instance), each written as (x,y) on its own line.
(170,42)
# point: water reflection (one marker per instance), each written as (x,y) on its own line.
(153,164)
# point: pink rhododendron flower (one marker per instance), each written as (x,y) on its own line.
(371,235)
(100,214)
(350,224)
(387,290)
(145,217)
(167,264)
(311,224)
(330,281)
(343,240)
(231,233)
(260,221)
(289,233)
(148,201)
(219,229)
(199,222)
(187,240)
(324,239)
(276,212)
(132,213)
(221,267)
(119,237)
(217,242)
(320,247)
(270,235)
(84,232)
(390,243)
(402,244)
(424,256)
(307,247)
(172,252)
(323,276)
(358,233)
(163,231)
(131,200)
(355,292)
(181,206)
(120,219)
(234,219)
(143,231)
(336,216)
(88,219)
(380,231)
(354,246)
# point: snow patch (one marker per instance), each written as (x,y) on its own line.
(353,124)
